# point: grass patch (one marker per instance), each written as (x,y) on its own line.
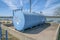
(10,37)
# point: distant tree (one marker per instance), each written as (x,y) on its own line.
(57,11)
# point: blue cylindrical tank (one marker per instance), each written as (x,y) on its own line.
(23,20)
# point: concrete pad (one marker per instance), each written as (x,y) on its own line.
(48,31)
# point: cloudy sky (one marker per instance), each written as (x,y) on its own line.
(47,6)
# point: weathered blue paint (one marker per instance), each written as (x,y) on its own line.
(0,33)
(6,35)
(23,20)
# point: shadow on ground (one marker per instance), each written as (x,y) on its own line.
(37,29)
(34,30)
(8,25)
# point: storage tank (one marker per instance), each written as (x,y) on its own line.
(24,20)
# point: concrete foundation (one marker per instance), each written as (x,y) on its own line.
(47,31)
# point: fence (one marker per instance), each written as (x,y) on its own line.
(1,34)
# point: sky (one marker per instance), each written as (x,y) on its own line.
(4,9)
(6,6)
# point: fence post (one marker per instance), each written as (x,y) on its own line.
(0,32)
(6,35)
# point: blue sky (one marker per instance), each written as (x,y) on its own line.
(4,9)
(6,6)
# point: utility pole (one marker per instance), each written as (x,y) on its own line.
(13,12)
(30,6)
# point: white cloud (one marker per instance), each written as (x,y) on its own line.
(50,11)
(13,4)
(25,1)
(35,8)
(49,2)
(34,3)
